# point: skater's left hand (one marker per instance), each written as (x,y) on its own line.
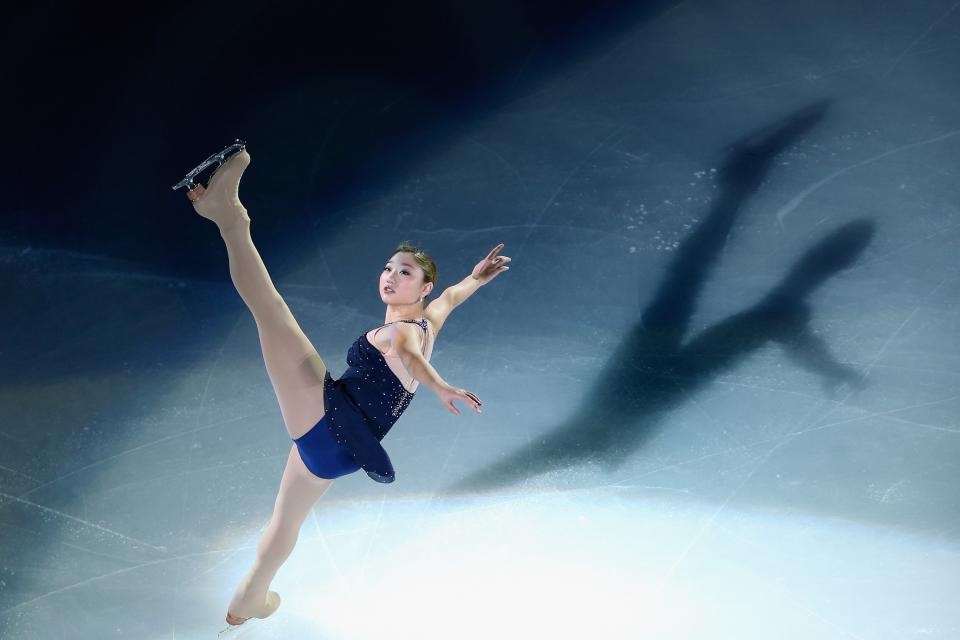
(491,266)
(448,394)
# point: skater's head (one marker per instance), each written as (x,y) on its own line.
(411,273)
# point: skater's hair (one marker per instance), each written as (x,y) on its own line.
(423,259)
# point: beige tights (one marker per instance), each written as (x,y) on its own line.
(296,373)
(299,491)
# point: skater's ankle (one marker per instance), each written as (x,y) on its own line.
(239,222)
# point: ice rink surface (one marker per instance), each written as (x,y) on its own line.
(720,379)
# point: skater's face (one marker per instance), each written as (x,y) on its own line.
(404,276)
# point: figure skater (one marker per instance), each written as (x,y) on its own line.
(335,425)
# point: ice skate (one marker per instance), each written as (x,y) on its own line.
(219,200)
(270,606)
(190,180)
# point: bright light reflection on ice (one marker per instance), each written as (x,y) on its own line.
(573,565)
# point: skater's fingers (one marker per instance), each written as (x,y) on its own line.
(196,193)
(493,251)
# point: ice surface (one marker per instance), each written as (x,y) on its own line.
(719,380)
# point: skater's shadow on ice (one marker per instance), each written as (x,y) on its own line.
(652,370)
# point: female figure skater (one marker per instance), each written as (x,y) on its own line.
(335,425)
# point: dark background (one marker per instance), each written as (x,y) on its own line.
(109,107)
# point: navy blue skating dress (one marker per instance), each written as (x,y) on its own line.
(361,407)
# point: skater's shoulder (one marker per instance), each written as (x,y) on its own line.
(435,315)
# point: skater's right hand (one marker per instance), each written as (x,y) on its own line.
(491,266)
(448,394)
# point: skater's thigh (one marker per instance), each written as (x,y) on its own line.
(295,369)
(299,491)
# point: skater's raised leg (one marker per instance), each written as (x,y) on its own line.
(295,369)
(220,202)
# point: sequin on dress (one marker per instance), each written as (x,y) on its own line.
(364,403)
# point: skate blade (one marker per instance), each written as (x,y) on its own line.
(216,159)
(234,630)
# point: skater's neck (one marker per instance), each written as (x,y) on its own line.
(404,312)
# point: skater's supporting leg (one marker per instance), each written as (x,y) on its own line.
(299,491)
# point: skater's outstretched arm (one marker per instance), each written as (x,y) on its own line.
(407,345)
(454,295)
(405,341)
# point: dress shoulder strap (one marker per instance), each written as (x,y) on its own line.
(417,322)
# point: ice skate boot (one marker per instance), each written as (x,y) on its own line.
(270,606)
(219,200)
